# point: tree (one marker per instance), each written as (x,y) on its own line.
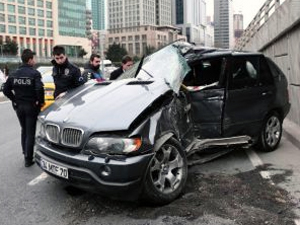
(149,50)
(115,52)
(81,52)
(10,47)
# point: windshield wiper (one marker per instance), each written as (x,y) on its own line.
(139,66)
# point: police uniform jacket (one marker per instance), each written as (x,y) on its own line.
(25,86)
(66,76)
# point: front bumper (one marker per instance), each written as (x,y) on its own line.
(120,179)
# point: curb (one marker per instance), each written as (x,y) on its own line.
(291,131)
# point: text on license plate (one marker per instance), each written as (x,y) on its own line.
(55,169)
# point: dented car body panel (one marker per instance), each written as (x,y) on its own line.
(132,137)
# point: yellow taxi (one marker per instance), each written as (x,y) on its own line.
(47,79)
(49,89)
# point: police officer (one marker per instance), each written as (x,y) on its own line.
(26,91)
(65,74)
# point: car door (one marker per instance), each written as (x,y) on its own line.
(207,96)
(249,97)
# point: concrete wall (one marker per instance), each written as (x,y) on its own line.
(279,38)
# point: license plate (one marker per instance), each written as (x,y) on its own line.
(49,93)
(55,169)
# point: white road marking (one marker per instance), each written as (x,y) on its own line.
(297,221)
(38,179)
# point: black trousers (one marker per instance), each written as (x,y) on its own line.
(27,114)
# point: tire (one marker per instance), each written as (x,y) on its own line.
(271,133)
(167,174)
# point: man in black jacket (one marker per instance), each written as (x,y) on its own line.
(127,62)
(91,69)
(26,91)
(66,75)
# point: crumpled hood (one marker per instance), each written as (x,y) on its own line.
(101,107)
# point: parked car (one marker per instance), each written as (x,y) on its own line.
(133,138)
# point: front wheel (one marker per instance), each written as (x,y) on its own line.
(167,174)
(271,133)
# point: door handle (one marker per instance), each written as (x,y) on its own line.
(266,93)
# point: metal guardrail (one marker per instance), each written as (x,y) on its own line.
(268,8)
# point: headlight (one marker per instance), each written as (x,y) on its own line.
(98,145)
(40,128)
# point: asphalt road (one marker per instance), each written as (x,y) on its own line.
(28,196)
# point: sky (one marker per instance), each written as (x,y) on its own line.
(248,8)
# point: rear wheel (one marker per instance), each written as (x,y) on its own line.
(271,133)
(167,174)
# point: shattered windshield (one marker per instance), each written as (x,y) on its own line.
(167,64)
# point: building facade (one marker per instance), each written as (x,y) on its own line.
(238,26)
(223,23)
(41,24)
(136,39)
(29,23)
(136,25)
(190,16)
(98,14)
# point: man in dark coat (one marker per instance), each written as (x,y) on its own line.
(91,69)
(26,91)
(127,62)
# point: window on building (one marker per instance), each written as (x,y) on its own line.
(41,23)
(32,31)
(11,18)
(137,49)
(40,3)
(49,14)
(30,2)
(129,38)
(31,11)
(137,37)
(11,0)
(49,5)
(22,30)
(2,28)
(1,6)
(49,23)
(22,20)
(12,29)
(21,1)
(2,17)
(49,33)
(21,10)
(31,21)
(41,32)
(11,8)
(130,48)
(40,13)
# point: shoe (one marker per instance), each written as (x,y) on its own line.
(28,163)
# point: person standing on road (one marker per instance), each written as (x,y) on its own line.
(127,62)
(91,70)
(26,91)
(66,75)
